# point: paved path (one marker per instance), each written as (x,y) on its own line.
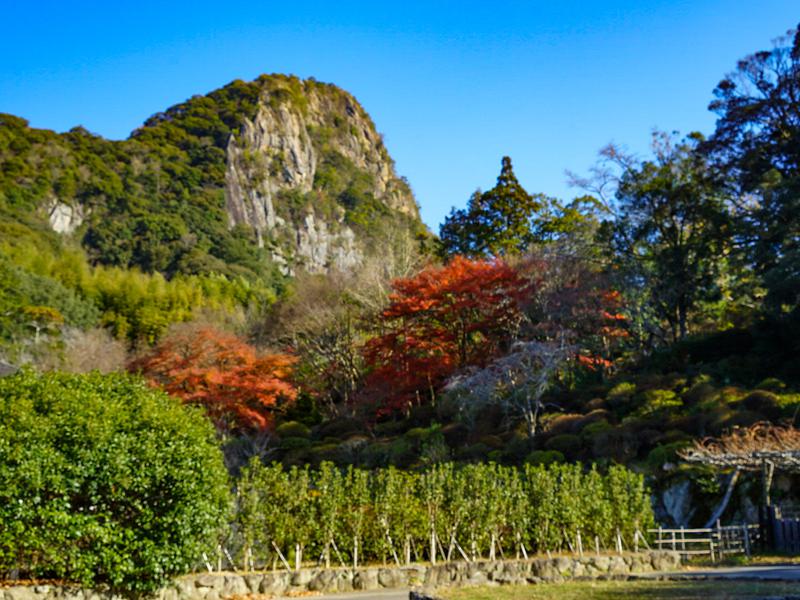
(377,595)
(775,572)
(766,573)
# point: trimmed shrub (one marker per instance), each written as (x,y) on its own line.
(665,453)
(596,428)
(105,480)
(293,429)
(700,393)
(544,457)
(772,384)
(622,391)
(763,402)
(657,401)
(295,443)
(566,443)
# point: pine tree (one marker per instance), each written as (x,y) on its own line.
(500,222)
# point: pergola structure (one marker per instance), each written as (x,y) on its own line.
(762,447)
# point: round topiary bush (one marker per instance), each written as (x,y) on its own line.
(105,480)
(293,429)
(763,402)
(544,457)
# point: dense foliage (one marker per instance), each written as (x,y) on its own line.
(104,480)
(442,513)
(441,320)
(238,387)
(616,328)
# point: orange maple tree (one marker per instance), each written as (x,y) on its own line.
(239,388)
(441,320)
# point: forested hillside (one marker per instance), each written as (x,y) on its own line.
(211,204)
(253,252)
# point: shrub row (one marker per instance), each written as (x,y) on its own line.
(354,516)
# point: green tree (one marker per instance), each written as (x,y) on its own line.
(672,229)
(498,222)
(105,480)
(757,140)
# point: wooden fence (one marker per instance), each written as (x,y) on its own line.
(716,542)
(785,531)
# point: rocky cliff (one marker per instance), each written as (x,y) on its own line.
(255,177)
(292,171)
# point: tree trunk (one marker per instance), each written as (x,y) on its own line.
(767,470)
(724,503)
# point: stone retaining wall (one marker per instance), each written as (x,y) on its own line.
(233,586)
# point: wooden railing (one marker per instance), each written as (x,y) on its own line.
(715,542)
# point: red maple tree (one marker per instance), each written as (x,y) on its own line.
(238,387)
(441,320)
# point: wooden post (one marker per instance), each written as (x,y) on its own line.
(636,541)
(619,543)
(746,539)
(673,541)
(219,558)
(683,539)
(597,545)
(721,541)
(230,559)
(282,557)
(659,538)
(579,542)
(640,535)
(207,563)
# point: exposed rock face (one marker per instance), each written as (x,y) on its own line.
(64,218)
(281,150)
(677,501)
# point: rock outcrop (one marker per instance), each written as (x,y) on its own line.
(273,167)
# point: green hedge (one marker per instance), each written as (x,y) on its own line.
(104,480)
(383,514)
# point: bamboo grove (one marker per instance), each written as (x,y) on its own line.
(354,516)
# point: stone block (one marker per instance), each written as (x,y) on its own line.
(234,585)
(392,578)
(345,581)
(301,578)
(617,566)
(214,582)
(366,579)
(322,580)
(253,582)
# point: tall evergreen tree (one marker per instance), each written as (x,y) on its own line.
(757,140)
(499,222)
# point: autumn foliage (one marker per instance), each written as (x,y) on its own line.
(443,319)
(239,388)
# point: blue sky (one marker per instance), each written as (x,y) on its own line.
(452,85)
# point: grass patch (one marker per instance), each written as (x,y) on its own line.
(602,590)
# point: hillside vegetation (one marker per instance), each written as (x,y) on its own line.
(288,288)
